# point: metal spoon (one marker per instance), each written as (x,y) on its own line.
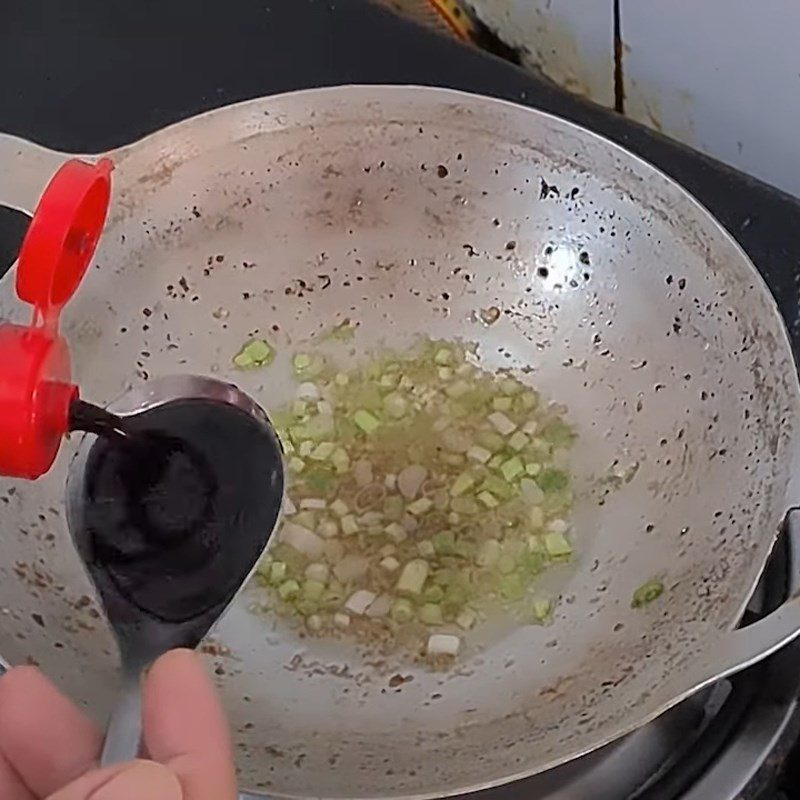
(168,590)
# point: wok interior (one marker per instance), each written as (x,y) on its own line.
(620,299)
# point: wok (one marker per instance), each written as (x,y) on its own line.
(411,210)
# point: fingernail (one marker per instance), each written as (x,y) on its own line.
(143,779)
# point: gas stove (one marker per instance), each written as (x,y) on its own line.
(736,740)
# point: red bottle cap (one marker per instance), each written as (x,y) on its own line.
(35,379)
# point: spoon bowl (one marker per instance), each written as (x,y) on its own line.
(170,520)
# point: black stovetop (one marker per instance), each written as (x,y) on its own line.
(88,76)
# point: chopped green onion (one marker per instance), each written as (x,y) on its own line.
(460,485)
(301,362)
(312,590)
(646,593)
(277,573)
(444,356)
(349,525)
(420,506)
(512,468)
(431,614)
(498,487)
(420,489)
(340,460)
(542,611)
(511,587)
(323,451)
(557,545)
(256,353)
(488,499)
(368,423)
(402,611)
(289,589)
(552,480)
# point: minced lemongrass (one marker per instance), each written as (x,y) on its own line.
(423,494)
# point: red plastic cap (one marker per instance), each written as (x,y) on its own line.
(35,377)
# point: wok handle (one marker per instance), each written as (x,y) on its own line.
(25,169)
(747,646)
(124,731)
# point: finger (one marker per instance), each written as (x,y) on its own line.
(11,785)
(43,736)
(135,780)
(185,727)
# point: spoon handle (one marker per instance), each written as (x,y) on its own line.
(124,731)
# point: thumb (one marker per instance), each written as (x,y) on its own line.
(135,780)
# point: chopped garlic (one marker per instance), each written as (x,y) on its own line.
(316,503)
(502,424)
(390,564)
(359,601)
(314,622)
(303,540)
(557,526)
(479,454)
(396,532)
(317,572)
(341,620)
(466,619)
(339,507)
(307,391)
(288,506)
(443,644)
(413,576)
(380,606)
(328,529)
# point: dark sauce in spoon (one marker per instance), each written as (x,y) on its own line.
(177,503)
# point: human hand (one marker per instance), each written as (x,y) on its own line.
(49,750)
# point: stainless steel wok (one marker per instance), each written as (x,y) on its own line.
(411,210)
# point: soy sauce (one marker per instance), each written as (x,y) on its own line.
(174,502)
